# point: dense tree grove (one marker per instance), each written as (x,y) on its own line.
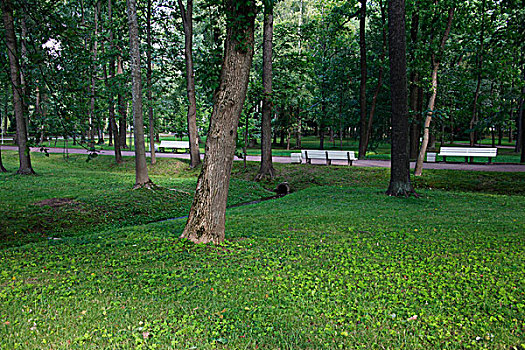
(320,68)
(330,71)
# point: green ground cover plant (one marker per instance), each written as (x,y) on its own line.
(336,264)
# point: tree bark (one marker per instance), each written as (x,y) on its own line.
(193,134)
(400,184)
(436,58)
(206,220)
(14,67)
(141,168)
(362,86)
(266,169)
(151,118)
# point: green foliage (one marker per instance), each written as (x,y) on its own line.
(335,265)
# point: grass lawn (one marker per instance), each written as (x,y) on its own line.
(335,264)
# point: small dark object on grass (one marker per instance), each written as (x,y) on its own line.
(282,189)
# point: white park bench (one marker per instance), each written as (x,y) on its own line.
(468,152)
(174,145)
(328,156)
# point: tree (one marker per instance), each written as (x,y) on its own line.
(266,168)
(366,133)
(400,184)
(436,60)
(206,220)
(14,67)
(111,100)
(187,23)
(362,84)
(479,77)
(141,169)
(151,119)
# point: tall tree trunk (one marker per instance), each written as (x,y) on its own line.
(400,184)
(206,220)
(362,86)
(122,108)
(14,67)
(479,67)
(266,169)
(141,168)
(193,133)
(369,125)
(92,116)
(109,86)
(23,69)
(436,59)
(150,88)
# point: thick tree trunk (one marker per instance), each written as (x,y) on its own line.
(266,169)
(400,184)
(436,58)
(206,221)
(193,133)
(151,119)
(14,67)
(141,168)
(362,86)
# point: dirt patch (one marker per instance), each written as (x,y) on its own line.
(55,202)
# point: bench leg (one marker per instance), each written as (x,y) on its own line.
(328,162)
(444,159)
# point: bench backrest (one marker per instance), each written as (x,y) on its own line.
(468,151)
(174,144)
(344,155)
(313,154)
(332,155)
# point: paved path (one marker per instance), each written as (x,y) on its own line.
(364,163)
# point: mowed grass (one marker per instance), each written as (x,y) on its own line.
(336,264)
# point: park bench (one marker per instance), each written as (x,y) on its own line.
(295,158)
(468,152)
(328,156)
(174,145)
